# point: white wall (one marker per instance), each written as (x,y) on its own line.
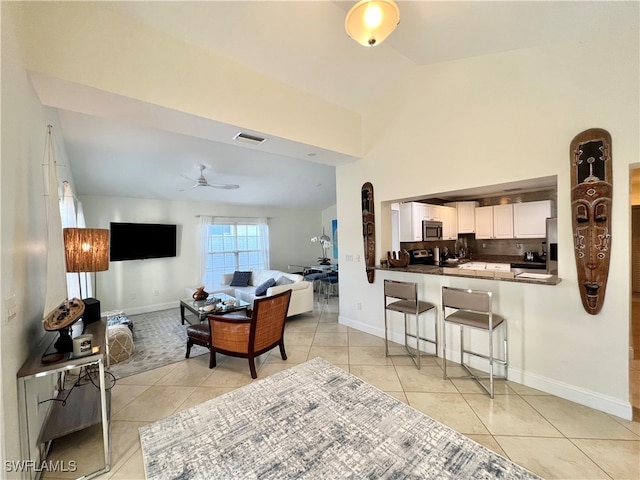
(23,229)
(502,118)
(290,231)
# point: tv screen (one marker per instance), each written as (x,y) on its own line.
(137,241)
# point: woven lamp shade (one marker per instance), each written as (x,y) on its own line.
(86,249)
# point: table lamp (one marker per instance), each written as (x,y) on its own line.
(87,250)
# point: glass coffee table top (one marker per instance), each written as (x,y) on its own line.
(218,303)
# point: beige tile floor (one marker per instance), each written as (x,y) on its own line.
(550,436)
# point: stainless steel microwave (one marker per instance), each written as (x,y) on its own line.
(431,230)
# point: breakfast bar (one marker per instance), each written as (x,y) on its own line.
(480,269)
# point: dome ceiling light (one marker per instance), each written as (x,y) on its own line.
(369,22)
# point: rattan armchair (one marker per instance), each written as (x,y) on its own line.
(251,337)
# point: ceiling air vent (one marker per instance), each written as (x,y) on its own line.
(248,138)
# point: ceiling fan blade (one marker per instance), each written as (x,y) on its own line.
(190,188)
(188,178)
(223,186)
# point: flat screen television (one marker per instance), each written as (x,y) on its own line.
(138,241)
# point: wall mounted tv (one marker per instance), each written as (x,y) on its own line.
(137,241)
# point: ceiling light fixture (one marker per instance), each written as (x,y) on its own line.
(369,22)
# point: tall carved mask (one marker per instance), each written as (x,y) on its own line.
(591,193)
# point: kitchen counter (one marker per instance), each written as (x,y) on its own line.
(517,275)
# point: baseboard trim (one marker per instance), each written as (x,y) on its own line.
(150,308)
(588,398)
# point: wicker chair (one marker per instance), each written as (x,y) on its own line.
(251,337)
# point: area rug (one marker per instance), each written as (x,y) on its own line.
(313,421)
(159,339)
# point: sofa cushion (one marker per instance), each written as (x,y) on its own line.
(240,279)
(282,280)
(261,276)
(261,289)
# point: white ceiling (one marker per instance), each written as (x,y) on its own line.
(302,44)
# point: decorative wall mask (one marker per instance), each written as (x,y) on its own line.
(368,230)
(591,194)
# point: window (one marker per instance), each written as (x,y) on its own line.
(233,245)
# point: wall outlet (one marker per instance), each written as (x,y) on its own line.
(156,293)
(484,245)
(358,306)
(357,257)
(348,258)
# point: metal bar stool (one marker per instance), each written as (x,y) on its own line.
(403,297)
(473,310)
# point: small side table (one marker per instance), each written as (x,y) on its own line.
(87,407)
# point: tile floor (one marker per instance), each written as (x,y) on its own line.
(550,436)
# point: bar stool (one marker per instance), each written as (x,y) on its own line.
(403,297)
(472,308)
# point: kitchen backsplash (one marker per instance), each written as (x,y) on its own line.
(483,247)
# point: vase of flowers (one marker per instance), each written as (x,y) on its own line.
(325,243)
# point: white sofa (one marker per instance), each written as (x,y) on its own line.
(301,290)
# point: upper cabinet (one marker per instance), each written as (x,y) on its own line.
(411,216)
(466,216)
(449,219)
(484,222)
(494,222)
(503,221)
(530,219)
(431,212)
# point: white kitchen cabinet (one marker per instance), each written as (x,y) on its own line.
(411,216)
(432,212)
(484,222)
(503,221)
(449,219)
(466,213)
(530,219)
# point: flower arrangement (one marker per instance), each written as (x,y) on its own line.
(325,243)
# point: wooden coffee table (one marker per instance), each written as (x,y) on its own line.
(220,302)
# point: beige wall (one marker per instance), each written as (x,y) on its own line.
(95,47)
(496,119)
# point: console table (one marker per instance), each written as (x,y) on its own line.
(87,405)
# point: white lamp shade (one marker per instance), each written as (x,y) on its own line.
(369,22)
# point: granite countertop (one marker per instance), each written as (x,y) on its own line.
(534,276)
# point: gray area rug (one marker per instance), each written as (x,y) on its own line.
(313,421)
(159,340)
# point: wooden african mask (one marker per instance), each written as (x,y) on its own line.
(591,193)
(368,230)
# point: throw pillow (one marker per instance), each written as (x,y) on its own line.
(282,280)
(261,289)
(240,279)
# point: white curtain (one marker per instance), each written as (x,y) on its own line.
(78,285)
(204,222)
(263,226)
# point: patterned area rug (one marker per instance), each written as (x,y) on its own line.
(313,421)
(159,340)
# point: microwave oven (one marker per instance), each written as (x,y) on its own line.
(431,230)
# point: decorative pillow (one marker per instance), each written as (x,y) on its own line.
(282,280)
(240,279)
(263,287)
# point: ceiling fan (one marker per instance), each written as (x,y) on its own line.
(202,182)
